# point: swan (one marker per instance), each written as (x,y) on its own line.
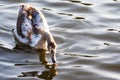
(32,30)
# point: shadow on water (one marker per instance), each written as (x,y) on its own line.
(50,69)
(78,1)
(75,1)
(78,17)
(69,14)
(65,14)
(47,9)
(89,56)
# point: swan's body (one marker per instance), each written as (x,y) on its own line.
(33,31)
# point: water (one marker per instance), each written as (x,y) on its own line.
(87,34)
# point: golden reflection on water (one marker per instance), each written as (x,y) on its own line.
(42,56)
(48,74)
(52,71)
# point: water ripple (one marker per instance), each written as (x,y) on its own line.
(87,34)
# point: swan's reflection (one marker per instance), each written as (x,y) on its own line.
(48,74)
(52,71)
(42,56)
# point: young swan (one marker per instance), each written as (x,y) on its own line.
(32,30)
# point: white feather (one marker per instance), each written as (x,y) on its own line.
(26,26)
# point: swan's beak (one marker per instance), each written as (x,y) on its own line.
(52,52)
(53,56)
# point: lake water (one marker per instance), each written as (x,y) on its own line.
(87,33)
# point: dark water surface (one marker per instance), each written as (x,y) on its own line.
(87,33)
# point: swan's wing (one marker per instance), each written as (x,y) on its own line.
(39,20)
